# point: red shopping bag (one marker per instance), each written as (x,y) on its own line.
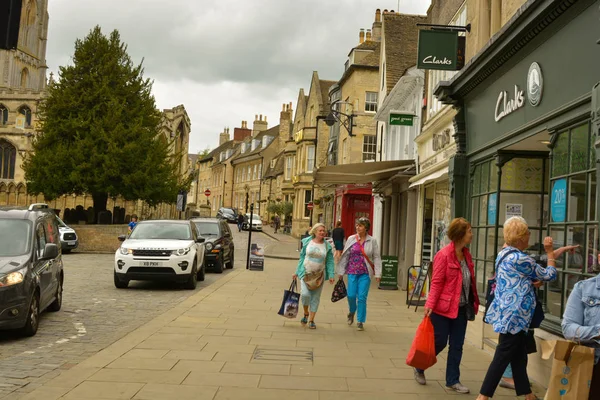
(422,352)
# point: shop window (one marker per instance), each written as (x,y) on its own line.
(307,199)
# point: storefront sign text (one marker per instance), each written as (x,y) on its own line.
(401,119)
(389,273)
(506,106)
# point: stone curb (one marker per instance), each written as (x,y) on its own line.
(282,257)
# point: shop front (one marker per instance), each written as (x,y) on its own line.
(526,147)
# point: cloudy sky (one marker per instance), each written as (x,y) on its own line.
(225,60)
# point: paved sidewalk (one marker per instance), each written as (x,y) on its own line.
(286,247)
(227,342)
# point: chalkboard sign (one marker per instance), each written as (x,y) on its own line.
(257,258)
(416,293)
(389,273)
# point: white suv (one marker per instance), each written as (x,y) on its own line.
(161,250)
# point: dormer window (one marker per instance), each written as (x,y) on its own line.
(255,143)
(266,140)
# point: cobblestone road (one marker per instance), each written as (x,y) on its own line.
(94,315)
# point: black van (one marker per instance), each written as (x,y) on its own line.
(31,267)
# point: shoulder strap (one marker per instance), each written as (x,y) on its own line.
(504,256)
(362,250)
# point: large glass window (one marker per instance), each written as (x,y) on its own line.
(310,158)
(307,199)
(572,219)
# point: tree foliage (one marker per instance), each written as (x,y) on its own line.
(204,153)
(287,208)
(275,208)
(100,131)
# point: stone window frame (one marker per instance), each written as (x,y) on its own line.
(371,102)
(3,114)
(369,150)
(8,159)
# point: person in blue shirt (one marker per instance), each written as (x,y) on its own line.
(581,322)
(511,312)
(132,224)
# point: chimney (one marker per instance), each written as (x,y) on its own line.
(377,26)
(285,121)
(368,35)
(259,125)
(224,136)
(361,36)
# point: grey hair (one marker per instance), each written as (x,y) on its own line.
(520,219)
(313,230)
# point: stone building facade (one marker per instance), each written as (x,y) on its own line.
(22,87)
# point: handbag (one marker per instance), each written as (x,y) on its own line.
(314,280)
(538,314)
(291,302)
(572,372)
(339,291)
(422,351)
(470,307)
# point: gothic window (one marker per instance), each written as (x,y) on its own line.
(26,111)
(8,156)
(3,114)
(24,78)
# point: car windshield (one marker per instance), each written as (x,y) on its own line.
(227,211)
(254,217)
(60,222)
(162,231)
(207,228)
(15,237)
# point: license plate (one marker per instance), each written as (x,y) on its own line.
(71,243)
(151,264)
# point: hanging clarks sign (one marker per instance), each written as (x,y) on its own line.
(441,49)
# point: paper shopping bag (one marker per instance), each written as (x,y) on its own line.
(422,352)
(291,302)
(572,368)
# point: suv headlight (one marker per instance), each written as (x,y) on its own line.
(125,251)
(12,278)
(209,246)
(181,252)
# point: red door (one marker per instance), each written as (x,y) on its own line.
(354,207)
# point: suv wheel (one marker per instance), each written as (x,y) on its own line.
(120,283)
(193,278)
(220,265)
(33,317)
(66,251)
(230,263)
(202,273)
(57,303)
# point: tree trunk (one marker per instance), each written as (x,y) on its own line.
(100,200)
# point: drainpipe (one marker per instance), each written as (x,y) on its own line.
(262,160)
(224,182)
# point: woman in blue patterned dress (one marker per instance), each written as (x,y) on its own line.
(511,312)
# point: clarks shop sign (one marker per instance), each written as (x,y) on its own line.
(441,49)
(508,103)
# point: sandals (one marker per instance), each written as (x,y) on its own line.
(311,325)
(304,320)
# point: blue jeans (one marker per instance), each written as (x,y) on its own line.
(508,372)
(450,331)
(358,291)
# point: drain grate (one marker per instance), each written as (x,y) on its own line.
(274,354)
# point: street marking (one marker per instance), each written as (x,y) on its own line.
(81,331)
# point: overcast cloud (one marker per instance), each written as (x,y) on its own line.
(225,60)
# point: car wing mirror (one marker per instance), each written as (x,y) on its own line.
(50,251)
(122,238)
(200,240)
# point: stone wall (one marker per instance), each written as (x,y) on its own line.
(99,238)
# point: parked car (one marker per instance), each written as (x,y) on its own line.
(219,247)
(160,250)
(256,222)
(68,237)
(31,267)
(228,214)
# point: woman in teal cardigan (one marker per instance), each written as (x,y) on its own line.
(314,267)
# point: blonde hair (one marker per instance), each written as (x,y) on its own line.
(515,229)
(313,230)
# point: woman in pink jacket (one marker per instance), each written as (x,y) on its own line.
(452,300)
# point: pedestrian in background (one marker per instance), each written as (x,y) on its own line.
(511,312)
(361,260)
(276,222)
(452,301)
(338,237)
(314,267)
(240,221)
(132,224)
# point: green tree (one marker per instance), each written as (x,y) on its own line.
(100,131)
(204,153)
(287,208)
(275,208)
